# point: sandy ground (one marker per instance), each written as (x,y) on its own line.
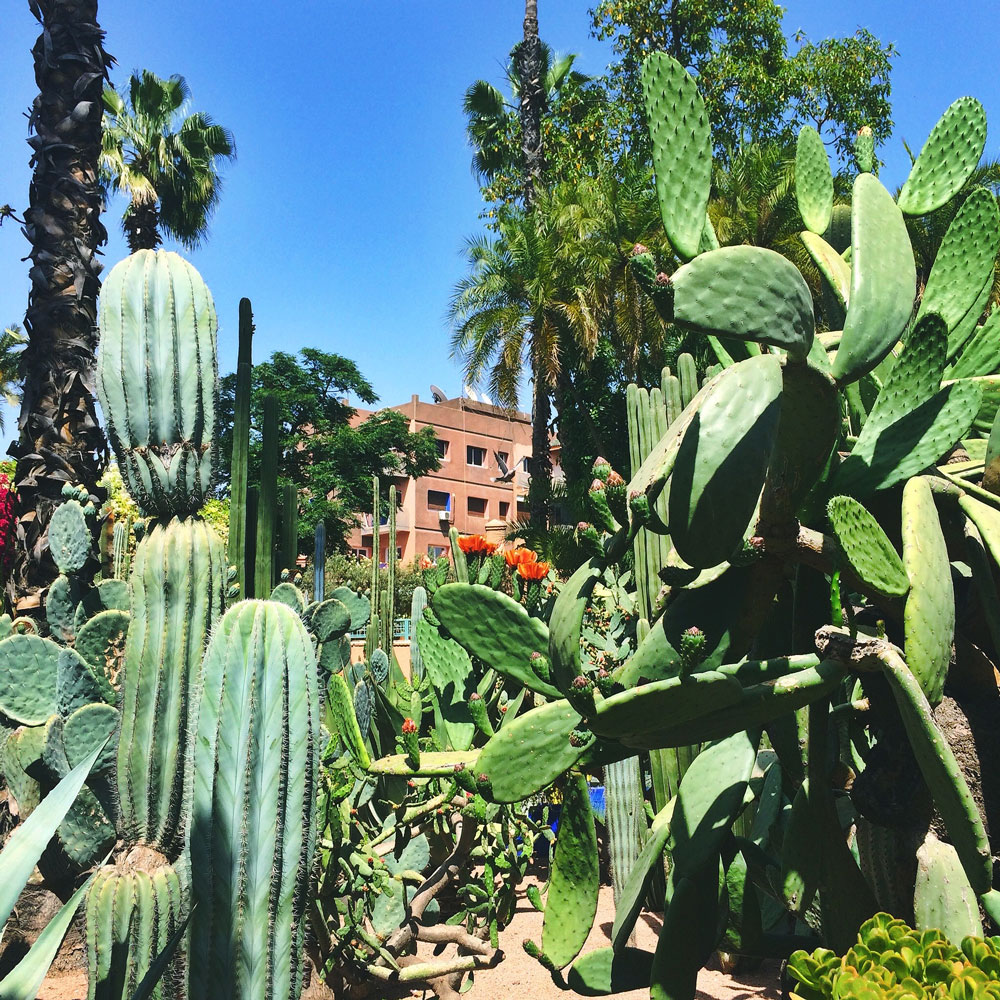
(518,977)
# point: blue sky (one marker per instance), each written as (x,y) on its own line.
(343,218)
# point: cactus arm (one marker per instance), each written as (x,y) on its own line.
(942,896)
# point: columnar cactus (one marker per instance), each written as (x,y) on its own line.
(252,830)
(157,379)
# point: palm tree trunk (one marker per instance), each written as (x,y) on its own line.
(60,438)
(529,67)
(540,488)
(141,224)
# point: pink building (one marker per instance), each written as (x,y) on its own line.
(482,482)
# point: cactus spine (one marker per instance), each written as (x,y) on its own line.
(252,835)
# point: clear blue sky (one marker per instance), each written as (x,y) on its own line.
(344,216)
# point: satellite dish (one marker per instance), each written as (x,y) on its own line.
(438,394)
(486,399)
(471,393)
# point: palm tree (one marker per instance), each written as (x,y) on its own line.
(518,307)
(11,343)
(165,160)
(60,438)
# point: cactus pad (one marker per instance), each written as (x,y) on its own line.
(948,158)
(942,897)
(722,461)
(681,143)
(76,683)
(883,281)
(496,629)
(866,548)
(84,729)
(571,904)
(101,642)
(528,754)
(813,181)
(288,594)
(70,540)
(60,607)
(929,616)
(330,620)
(29,668)
(746,293)
(358,605)
(964,262)
(449,669)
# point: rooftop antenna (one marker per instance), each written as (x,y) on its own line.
(437,394)
(486,399)
(471,394)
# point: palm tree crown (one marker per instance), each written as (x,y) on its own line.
(165,160)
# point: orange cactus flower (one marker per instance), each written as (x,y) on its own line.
(476,545)
(532,569)
(425,562)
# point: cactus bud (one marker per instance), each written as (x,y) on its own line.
(411,743)
(477,709)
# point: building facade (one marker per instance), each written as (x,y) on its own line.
(482,482)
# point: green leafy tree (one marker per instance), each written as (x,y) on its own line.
(755,90)
(163,159)
(323,449)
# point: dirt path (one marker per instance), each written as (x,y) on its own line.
(519,977)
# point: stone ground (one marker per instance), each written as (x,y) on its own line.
(518,977)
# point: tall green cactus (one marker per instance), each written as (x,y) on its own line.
(178,582)
(238,523)
(252,829)
(156,379)
(267,501)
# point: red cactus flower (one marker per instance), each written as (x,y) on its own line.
(409,726)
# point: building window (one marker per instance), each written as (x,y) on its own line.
(442,449)
(477,506)
(522,508)
(503,456)
(504,508)
(359,553)
(436,551)
(438,500)
(526,463)
(474,455)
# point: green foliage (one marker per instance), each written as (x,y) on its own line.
(330,461)
(755,88)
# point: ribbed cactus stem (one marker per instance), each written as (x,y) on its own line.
(177,586)
(267,500)
(417,604)
(120,554)
(376,543)
(238,526)
(290,526)
(252,827)
(156,379)
(319,562)
(390,561)
(133,910)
